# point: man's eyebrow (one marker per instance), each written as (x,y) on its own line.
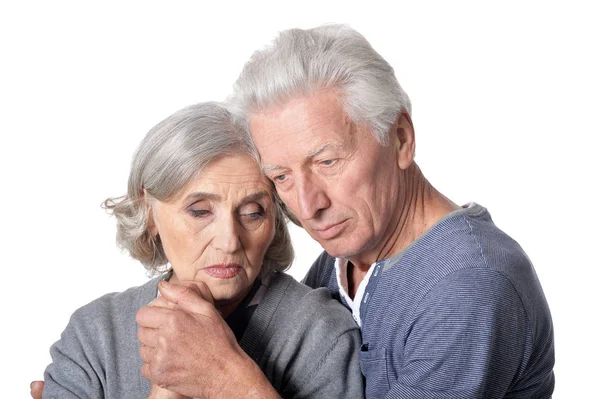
(319,150)
(268,168)
(312,154)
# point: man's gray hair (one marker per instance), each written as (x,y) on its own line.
(300,62)
(172,154)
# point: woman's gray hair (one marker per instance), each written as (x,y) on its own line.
(330,56)
(173,153)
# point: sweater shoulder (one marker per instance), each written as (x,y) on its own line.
(116,305)
(96,355)
(317,305)
(310,343)
(319,274)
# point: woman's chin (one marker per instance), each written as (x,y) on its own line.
(226,295)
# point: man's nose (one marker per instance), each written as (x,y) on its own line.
(311,198)
(227,237)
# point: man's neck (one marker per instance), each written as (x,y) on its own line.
(420,206)
(354,275)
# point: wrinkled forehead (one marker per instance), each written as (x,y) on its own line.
(303,124)
(230,176)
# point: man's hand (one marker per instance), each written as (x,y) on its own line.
(36,389)
(162,393)
(187,347)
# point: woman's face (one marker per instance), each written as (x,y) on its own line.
(218,228)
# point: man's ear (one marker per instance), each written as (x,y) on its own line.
(403,138)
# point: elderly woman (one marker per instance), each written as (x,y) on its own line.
(198,203)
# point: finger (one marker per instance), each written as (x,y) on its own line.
(163,302)
(147,354)
(201,287)
(148,336)
(189,298)
(162,393)
(146,371)
(152,316)
(151,374)
(36,389)
(198,287)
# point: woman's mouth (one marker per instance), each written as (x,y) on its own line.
(224,271)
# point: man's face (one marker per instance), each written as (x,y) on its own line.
(339,182)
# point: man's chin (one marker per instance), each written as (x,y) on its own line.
(340,248)
(346,248)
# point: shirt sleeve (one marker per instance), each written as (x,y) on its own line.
(73,372)
(469,338)
(335,372)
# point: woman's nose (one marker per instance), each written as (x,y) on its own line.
(227,238)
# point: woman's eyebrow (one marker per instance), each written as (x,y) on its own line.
(216,197)
(255,196)
(203,195)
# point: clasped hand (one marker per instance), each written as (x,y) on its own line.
(185,343)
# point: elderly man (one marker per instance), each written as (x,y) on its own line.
(449,305)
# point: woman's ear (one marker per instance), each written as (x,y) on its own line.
(150,214)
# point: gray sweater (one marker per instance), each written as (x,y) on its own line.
(305,342)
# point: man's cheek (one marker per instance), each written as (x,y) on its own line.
(290,200)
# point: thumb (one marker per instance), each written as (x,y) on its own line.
(191,296)
(199,287)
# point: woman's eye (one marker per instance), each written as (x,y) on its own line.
(255,215)
(199,212)
(252,212)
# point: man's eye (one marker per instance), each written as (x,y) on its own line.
(327,162)
(279,178)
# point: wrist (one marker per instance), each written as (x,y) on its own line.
(241,377)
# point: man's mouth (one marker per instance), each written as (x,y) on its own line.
(330,231)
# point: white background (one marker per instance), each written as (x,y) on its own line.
(505,108)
